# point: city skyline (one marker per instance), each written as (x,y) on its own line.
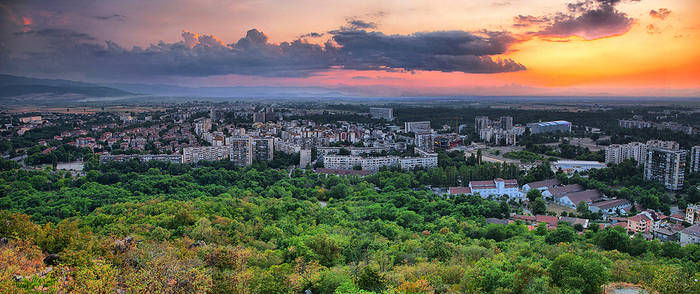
(415,48)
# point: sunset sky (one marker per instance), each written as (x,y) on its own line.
(373,48)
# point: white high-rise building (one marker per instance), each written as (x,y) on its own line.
(506,122)
(670,145)
(416,126)
(240,150)
(481,122)
(695,159)
(202,126)
(616,153)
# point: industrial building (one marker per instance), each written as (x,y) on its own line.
(550,127)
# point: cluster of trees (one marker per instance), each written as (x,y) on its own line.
(526,156)
(566,150)
(452,170)
(62,153)
(163,227)
(7,164)
(536,201)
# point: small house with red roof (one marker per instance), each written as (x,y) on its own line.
(550,220)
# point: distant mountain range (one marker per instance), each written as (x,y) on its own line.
(16,89)
(232,91)
(25,90)
(13,86)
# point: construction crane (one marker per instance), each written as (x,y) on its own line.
(456,140)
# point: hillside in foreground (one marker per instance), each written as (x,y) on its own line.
(172,228)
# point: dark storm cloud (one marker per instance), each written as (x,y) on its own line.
(110,17)
(661,14)
(361,24)
(436,51)
(63,34)
(205,55)
(589,20)
(311,35)
(195,55)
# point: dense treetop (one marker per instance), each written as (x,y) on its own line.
(220,229)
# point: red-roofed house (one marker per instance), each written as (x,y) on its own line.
(642,222)
(460,190)
(526,218)
(550,220)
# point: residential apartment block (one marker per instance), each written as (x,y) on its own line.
(174,158)
(665,166)
(242,150)
(375,163)
(208,153)
(416,126)
(640,124)
(501,132)
(692,213)
(616,153)
(382,113)
(695,159)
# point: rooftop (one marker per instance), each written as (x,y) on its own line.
(692,230)
(586,196)
(559,191)
(549,219)
(544,183)
(460,190)
(611,203)
(551,123)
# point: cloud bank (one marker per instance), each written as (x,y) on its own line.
(198,55)
(44,47)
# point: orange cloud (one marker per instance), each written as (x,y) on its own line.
(191,39)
